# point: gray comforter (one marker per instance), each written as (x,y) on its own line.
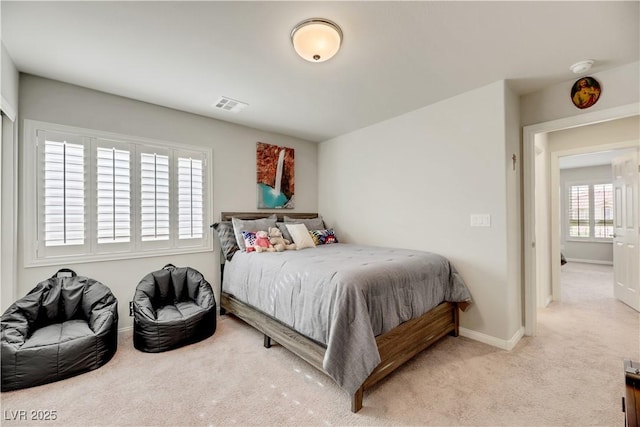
(343,296)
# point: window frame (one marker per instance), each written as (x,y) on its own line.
(567,210)
(35,253)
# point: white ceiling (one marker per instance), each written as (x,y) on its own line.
(395,57)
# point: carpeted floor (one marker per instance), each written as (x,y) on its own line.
(569,375)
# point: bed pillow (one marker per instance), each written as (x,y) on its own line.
(240,225)
(300,235)
(311,223)
(227,238)
(323,237)
(283,229)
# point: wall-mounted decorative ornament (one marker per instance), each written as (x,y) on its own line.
(585,92)
(275,170)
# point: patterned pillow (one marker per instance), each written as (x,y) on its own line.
(228,242)
(249,240)
(323,237)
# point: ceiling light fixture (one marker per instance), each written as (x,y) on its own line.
(316,39)
(582,66)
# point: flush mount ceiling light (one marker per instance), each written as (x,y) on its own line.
(582,66)
(316,39)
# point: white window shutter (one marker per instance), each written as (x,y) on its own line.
(154,196)
(64,186)
(603,210)
(113,183)
(579,211)
(190,198)
(98,196)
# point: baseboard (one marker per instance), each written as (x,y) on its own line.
(125,329)
(493,341)
(589,261)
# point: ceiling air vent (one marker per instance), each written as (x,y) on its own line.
(228,104)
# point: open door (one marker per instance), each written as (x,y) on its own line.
(626,256)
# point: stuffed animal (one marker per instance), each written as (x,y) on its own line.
(279,242)
(262,243)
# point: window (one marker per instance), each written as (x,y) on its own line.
(101,196)
(64,205)
(113,195)
(154,192)
(590,211)
(190,198)
(603,211)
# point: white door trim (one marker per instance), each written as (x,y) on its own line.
(528,139)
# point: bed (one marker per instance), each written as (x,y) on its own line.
(355,312)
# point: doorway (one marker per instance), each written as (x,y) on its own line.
(535,142)
(586,207)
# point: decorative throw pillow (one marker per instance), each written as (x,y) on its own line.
(323,237)
(228,242)
(249,240)
(240,225)
(300,235)
(311,223)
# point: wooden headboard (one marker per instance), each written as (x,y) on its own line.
(226,216)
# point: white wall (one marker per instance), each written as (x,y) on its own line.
(513,177)
(412,182)
(8,184)
(620,86)
(234,173)
(8,84)
(593,136)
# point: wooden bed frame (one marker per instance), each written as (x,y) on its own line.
(395,347)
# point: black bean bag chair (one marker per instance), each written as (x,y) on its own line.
(172,307)
(65,326)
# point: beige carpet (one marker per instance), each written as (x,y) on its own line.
(569,375)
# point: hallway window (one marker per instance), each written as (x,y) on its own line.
(590,211)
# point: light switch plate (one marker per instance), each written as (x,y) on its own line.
(480,220)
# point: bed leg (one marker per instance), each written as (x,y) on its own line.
(456,321)
(267,341)
(222,311)
(356,400)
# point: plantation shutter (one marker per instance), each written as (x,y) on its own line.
(113,195)
(579,211)
(98,196)
(64,198)
(603,210)
(190,198)
(154,196)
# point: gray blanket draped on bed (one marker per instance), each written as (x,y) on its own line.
(343,296)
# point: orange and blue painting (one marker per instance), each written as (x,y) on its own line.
(276,178)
